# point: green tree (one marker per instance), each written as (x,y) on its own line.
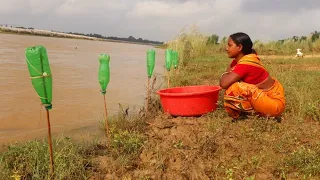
(131,38)
(303,38)
(213,39)
(295,38)
(315,36)
(224,40)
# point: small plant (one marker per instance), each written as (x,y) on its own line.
(178,145)
(145,178)
(229,173)
(255,161)
(127,142)
(250,178)
(303,160)
(313,110)
(16,175)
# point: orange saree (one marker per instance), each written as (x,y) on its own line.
(245,97)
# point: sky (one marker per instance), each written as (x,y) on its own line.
(162,20)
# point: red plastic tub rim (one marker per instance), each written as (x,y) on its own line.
(160,92)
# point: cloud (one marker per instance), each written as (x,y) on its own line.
(44,6)
(279,6)
(163,19)
(29,6)
(86,7)
(169,9)
(12,6)
(265,20)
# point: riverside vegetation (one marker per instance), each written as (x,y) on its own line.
(213,146)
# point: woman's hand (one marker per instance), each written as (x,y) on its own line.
(228,78)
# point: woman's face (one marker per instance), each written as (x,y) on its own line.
(232,49)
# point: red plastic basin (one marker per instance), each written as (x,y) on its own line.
(189,100)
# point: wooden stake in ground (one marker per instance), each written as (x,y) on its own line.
(168,63)
(168,79)
(151,57)
(104,78)
(50,141)
(148,95)
(41,78)
(106,118)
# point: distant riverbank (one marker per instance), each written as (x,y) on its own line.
(47,33)
(38,32)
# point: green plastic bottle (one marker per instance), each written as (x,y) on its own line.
(104,72)
(151,56)
(168,60)
(40,73)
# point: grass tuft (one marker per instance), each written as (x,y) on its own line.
(31,160)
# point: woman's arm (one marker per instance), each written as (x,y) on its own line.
(229,68)
(228,78)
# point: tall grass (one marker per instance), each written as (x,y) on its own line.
(287,47)
(31,160)
(191,43)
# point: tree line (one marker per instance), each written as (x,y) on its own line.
(313,36)
(129,39)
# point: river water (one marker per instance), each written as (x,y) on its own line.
(78,105)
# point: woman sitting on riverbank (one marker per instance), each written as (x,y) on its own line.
(249,87)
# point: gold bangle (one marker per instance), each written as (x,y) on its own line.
(224,74)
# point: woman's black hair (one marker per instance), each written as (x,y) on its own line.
(245,41)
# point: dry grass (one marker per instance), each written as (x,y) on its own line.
(191,44)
